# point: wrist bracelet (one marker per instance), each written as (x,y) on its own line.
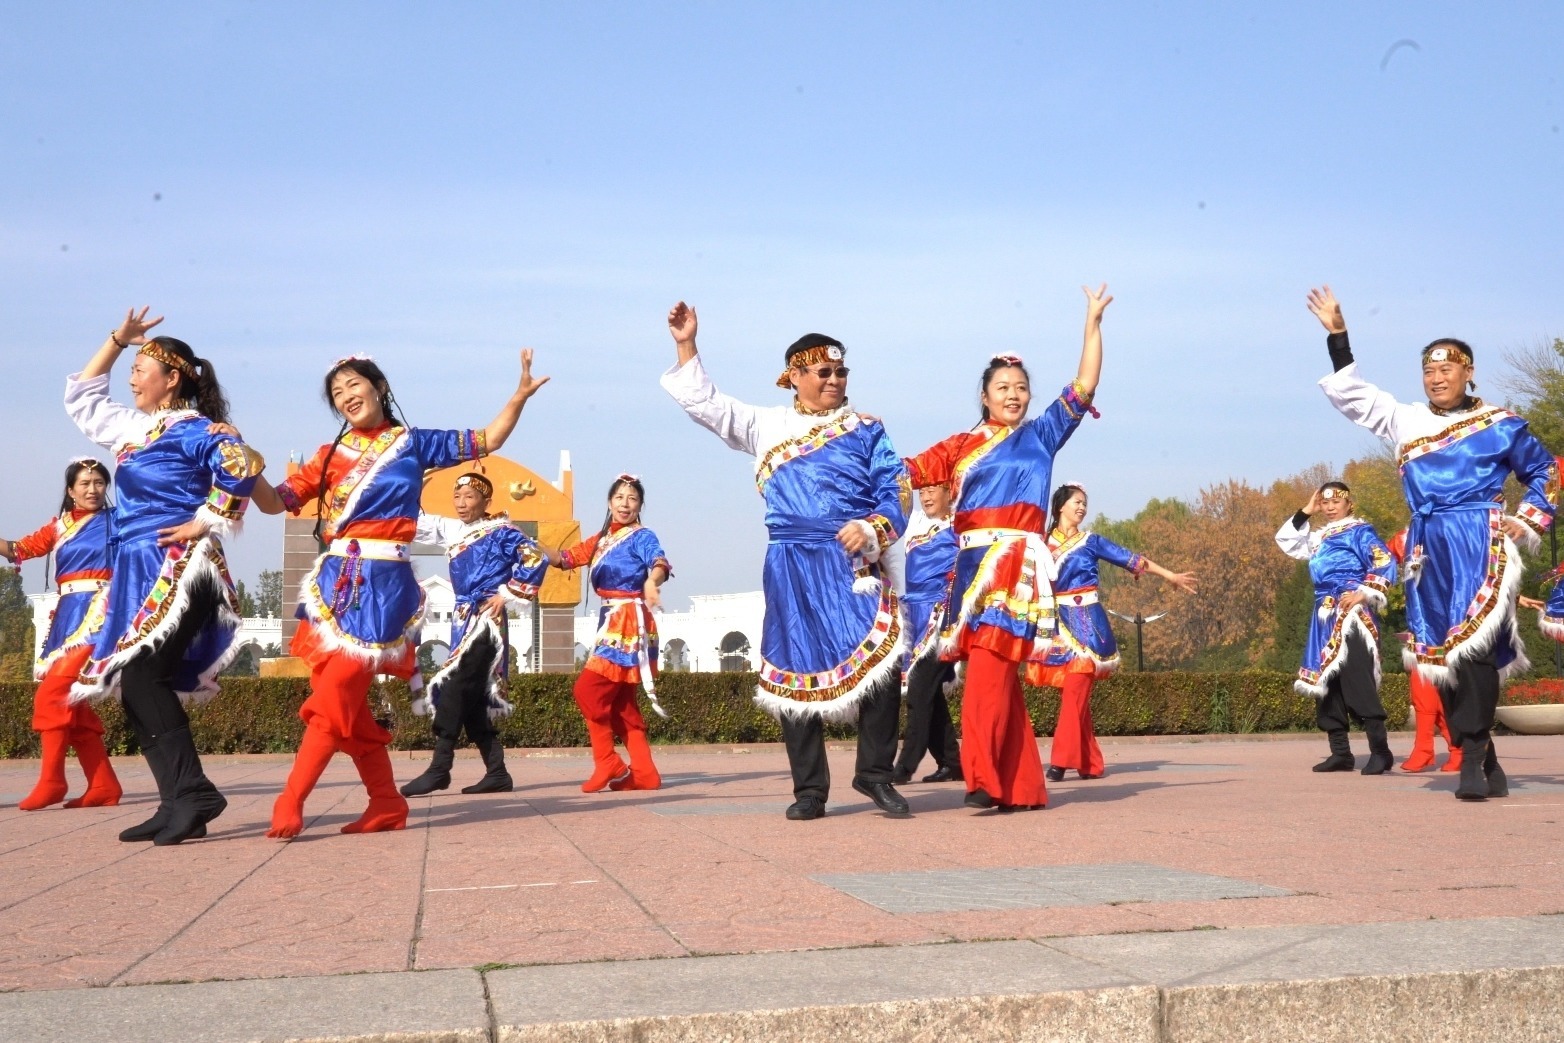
(114,336)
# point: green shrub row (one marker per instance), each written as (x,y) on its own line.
(260,715)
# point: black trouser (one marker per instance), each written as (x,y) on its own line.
(1351,692)
(160,724)
(928,727)
(152,707)
(878,714)
(1470,705)
(464,695)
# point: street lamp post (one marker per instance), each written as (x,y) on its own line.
(1140,622)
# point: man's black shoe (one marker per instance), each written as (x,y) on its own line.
(945,774)
(1054,774)
(884,796)
(979,799)
(805,808)
(901,777)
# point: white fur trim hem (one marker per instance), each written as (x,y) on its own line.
(217,525)
(499,706)
(1529,541)
(199,568)
(844,708)
(1487,635)
(1356,624)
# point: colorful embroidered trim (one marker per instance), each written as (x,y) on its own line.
(803,445)
(1340,525)
(1334,644)
(337,498)
(826,685)
(289,498)
(226,504)
(1534,517)
(1483,602)
(1451,435)
(884,531)
(474,534)
(158,430)
(1077,402)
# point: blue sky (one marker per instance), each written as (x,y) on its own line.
(440,185)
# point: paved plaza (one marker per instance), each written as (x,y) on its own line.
(1193,864)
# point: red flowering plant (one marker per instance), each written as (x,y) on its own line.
(1536,692)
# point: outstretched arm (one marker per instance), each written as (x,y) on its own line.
(1354,398)
(1184,581)
(723,415)
(1091,349)
(501,426)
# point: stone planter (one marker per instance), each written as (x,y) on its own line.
(1546,719)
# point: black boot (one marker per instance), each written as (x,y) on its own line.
(438,774)
(1340,758)
(1473,784)
(1380,759)
(1498,783)
(496,779)
(194,801)
(154,825)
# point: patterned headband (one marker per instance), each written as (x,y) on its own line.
(158,353)
(1446,353)
(474,479)
(809,357)
(1332,494)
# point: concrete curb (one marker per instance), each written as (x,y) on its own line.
(1252,984)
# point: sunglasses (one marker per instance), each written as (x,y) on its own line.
(827,372)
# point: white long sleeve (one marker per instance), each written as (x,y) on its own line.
(1295,542)
(726,417)
(105,422)
(1364,404)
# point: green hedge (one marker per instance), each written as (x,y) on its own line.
(260,715)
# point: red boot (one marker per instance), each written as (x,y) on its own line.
(103,788)
(315,751)
(51,787)
(1427,711)
(387,807)
(643,773)
(607,765)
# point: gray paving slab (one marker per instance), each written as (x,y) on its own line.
(409,1007)
(778,981)
(1038,887)
(1294,953)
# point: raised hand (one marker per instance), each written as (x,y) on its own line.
(1096,302)
(682,323)
(1323,303)
(528,385)
(1313,506)
(1184,581)
(134,329)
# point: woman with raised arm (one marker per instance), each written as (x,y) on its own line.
(626,566)
(1352,570)
(78,539)
(1463,569)
(171,614)
(1001,607)
(1083,648)
(360,607)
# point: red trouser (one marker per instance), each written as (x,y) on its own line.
(51,700)
(611,712)
(1075,742)
(998,747)
(1429,710)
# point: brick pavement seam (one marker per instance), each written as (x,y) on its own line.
(263,863)
(418,916)
(549,819)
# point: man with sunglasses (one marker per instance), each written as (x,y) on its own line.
(836,499)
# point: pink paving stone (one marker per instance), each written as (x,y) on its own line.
(457,887)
